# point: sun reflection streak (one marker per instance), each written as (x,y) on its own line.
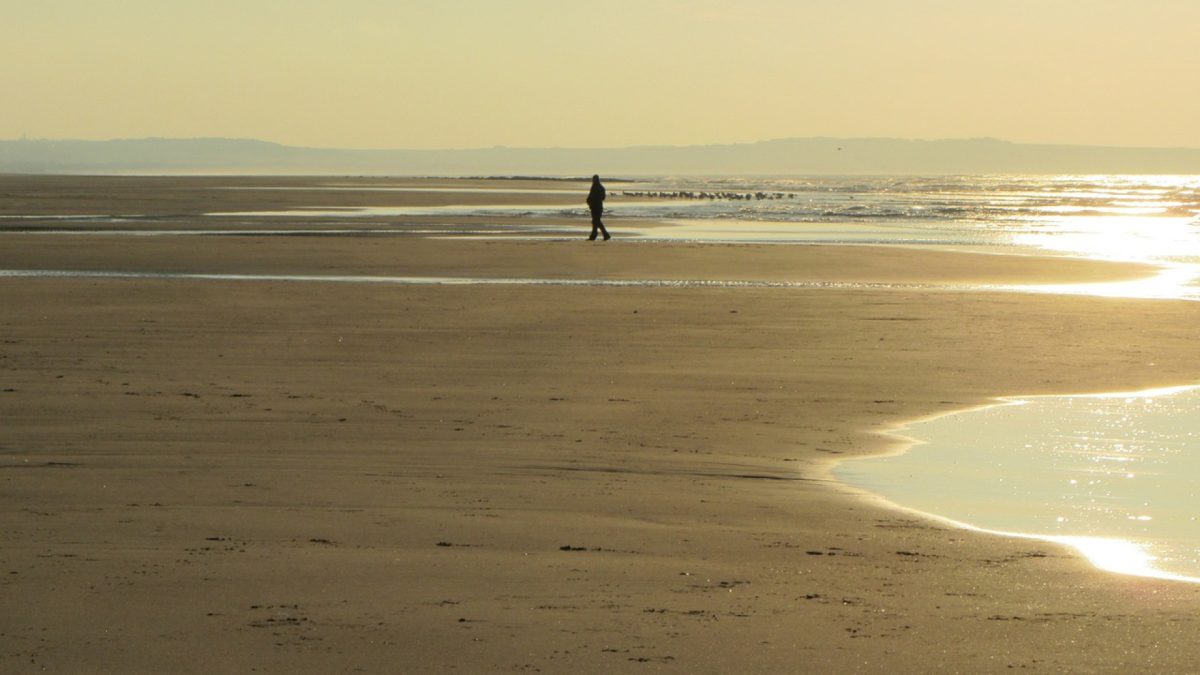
(1123,238)
(1119,556)
(1110,554)
(1171,282)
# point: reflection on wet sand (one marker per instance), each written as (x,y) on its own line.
(1168,284)
(464,281)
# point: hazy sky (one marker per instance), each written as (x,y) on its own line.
(476,73)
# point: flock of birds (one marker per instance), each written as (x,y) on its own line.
(690,194)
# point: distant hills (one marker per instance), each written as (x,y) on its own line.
(793,156)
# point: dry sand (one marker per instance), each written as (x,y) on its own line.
(236,476)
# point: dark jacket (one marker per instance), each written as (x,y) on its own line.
(595,199)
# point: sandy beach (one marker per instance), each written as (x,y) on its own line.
(273,476)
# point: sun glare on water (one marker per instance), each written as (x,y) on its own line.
(1120,556)
(1115,476)
(1128,238)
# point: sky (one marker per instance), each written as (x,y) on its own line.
(562,73)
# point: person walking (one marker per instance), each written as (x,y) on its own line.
(595,202)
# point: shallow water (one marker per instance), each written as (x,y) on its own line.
(1115,475)
(407,188)
(1123,218)
(465,281)
(477,210)
(472,210)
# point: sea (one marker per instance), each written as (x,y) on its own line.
(1121,218)
(1116,475)
(1146,219)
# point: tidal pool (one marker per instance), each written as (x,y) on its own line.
(1115,475)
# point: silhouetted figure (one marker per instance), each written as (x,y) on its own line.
(595,202)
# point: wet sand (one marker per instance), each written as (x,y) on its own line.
(230,476)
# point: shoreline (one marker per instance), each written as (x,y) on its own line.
(1098,551)
(492,478)
(1111,553)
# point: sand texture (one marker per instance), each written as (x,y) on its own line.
(270,476)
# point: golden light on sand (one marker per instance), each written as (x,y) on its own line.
(363,474)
